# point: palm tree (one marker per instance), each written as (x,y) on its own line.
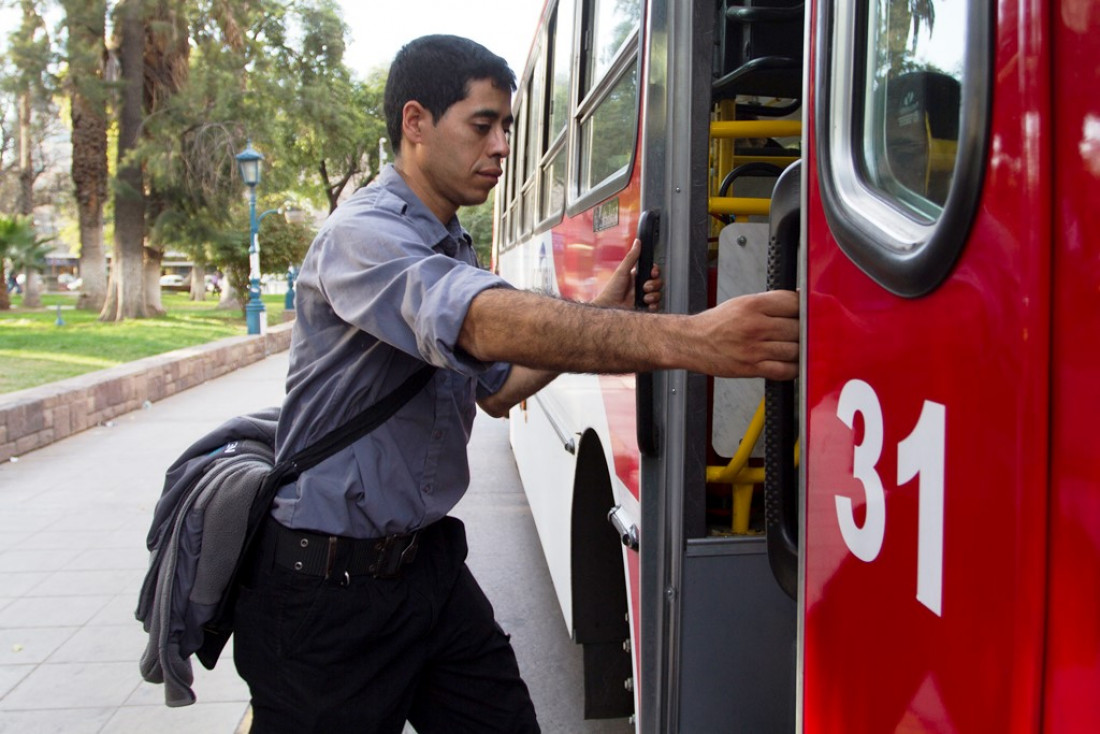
(27,252)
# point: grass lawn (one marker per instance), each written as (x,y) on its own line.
(35,349)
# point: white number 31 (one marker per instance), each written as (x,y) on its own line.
(921,454)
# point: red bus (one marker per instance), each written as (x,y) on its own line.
(908,537)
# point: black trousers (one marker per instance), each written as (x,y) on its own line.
(365,656)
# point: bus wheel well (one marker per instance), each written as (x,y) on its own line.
(599,587)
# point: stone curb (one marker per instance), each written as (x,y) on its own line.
(38,416)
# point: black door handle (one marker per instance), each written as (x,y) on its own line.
(648,232)
(780,418)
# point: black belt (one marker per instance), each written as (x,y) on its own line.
(316,554)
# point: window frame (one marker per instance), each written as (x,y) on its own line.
(627,59)
(904,255)
(546,216)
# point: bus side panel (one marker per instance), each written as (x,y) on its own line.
(1071,704)
(894,642)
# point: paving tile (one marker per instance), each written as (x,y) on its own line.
(102,644)
(31,645)
(120,610)
(217,718)
(98,518)
(85,583)
(16,520)
(51,611)
(24,561)
(10,675)
(72,721)
(14,585)
(99,559)
(73,685)
(58,540)
(13,540)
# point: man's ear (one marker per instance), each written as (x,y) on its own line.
(414,117)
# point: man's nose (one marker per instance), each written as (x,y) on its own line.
(499,147)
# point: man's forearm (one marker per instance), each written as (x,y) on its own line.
(522,383)
(754,335)
(550,334)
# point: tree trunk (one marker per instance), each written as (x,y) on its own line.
(5,297)
(228,298)
(86,24)
(198,282)
(26,164)
(32,289)
(153,303)
(128,298)
(93,264)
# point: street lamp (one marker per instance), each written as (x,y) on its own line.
(248,163)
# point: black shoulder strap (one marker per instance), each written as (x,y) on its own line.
(359,426)
(335,440)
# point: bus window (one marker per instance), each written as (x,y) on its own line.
(911,123)
(561,64)
(557,117)
(608,110)
(607,136)
(902,121)
(614,22)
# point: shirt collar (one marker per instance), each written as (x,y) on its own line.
(447,238)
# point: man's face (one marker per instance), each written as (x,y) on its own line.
(462,153)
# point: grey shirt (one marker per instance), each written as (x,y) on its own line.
(384,288)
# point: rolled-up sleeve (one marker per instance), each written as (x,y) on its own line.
(388,283)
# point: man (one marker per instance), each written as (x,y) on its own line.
(391,283)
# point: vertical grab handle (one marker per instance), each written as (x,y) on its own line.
(780,421)
(648,232)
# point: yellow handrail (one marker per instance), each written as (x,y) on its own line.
(730,474)
(740,206)
(741,476)
(755,128)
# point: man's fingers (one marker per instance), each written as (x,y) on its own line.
(631,257)
(778,303)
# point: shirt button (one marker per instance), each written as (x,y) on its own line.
(437,435)
(426,489)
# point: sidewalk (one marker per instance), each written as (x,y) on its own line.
(73,519)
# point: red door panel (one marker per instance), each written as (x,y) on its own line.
(927,453)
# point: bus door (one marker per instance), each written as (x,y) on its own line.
(1072,661)
(723,86)
(927,318)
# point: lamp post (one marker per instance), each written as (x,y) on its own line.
(248,164)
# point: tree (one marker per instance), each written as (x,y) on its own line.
(167,55)
(16,232)
(28,253)
(478,221)
(125,294)
(28,84)
(20,244)
(282,244)
(334,123)
(85,22)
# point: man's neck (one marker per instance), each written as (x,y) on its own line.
(440,207)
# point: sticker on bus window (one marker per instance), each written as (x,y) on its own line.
(606,215)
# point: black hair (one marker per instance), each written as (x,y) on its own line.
(436,71)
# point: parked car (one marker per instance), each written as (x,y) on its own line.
(173,282)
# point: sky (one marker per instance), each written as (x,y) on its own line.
(380,27)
